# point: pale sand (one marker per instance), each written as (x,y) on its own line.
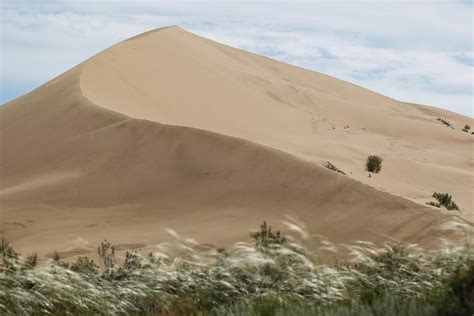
(169,129)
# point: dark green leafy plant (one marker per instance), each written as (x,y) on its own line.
(85,266)
(132,260)
(8,255)
(431,203)
(445,200)
(445,122)
(265,238)
(374,164)
(31,261)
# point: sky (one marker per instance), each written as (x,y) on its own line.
(413,51)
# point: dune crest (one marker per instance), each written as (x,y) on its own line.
(169,129)
(175,77)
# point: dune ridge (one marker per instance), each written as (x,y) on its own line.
(168,130)
(179,78)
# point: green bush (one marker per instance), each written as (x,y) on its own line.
(8,255)
(107,255)
(265,238)
(445,200)
(431,203)
(466,128)
(374,164)
(85,266)
(445,122)
(31,261)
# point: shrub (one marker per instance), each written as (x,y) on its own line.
(332,167)
(31,261)
(374,164)
(431,203)
(106,254)
(466,128)
(85,265)
(445,200)
(9,257)
(265,238)
(243,280)
(445,122)
(56,258)
(132,260)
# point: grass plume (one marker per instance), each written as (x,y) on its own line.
(270,275)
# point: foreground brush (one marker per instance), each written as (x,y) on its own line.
(271,275)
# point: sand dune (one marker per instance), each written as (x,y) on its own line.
(169,129)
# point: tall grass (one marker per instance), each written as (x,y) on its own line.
(270,275)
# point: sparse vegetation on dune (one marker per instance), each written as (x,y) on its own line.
(466,128)
(445,200)
(332,167)
(272,275)
(445,122)
(374,164)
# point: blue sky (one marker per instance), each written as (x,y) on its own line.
(414,51)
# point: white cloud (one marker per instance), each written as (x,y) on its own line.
(418,51)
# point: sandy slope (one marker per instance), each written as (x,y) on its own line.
(87,156)
(174,77)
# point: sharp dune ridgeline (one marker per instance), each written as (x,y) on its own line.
(169,129)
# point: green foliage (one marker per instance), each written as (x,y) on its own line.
(466,128)
(107,255)
(460,288)
(445,122)
(56,260)
(85,266)
(56,257)
(271,275)
(6,250)
(434,204)
(265,238)
(132,260)
(31,261)
(445,200)
(8,255)
(374,164)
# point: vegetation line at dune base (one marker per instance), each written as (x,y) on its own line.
(271,275)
